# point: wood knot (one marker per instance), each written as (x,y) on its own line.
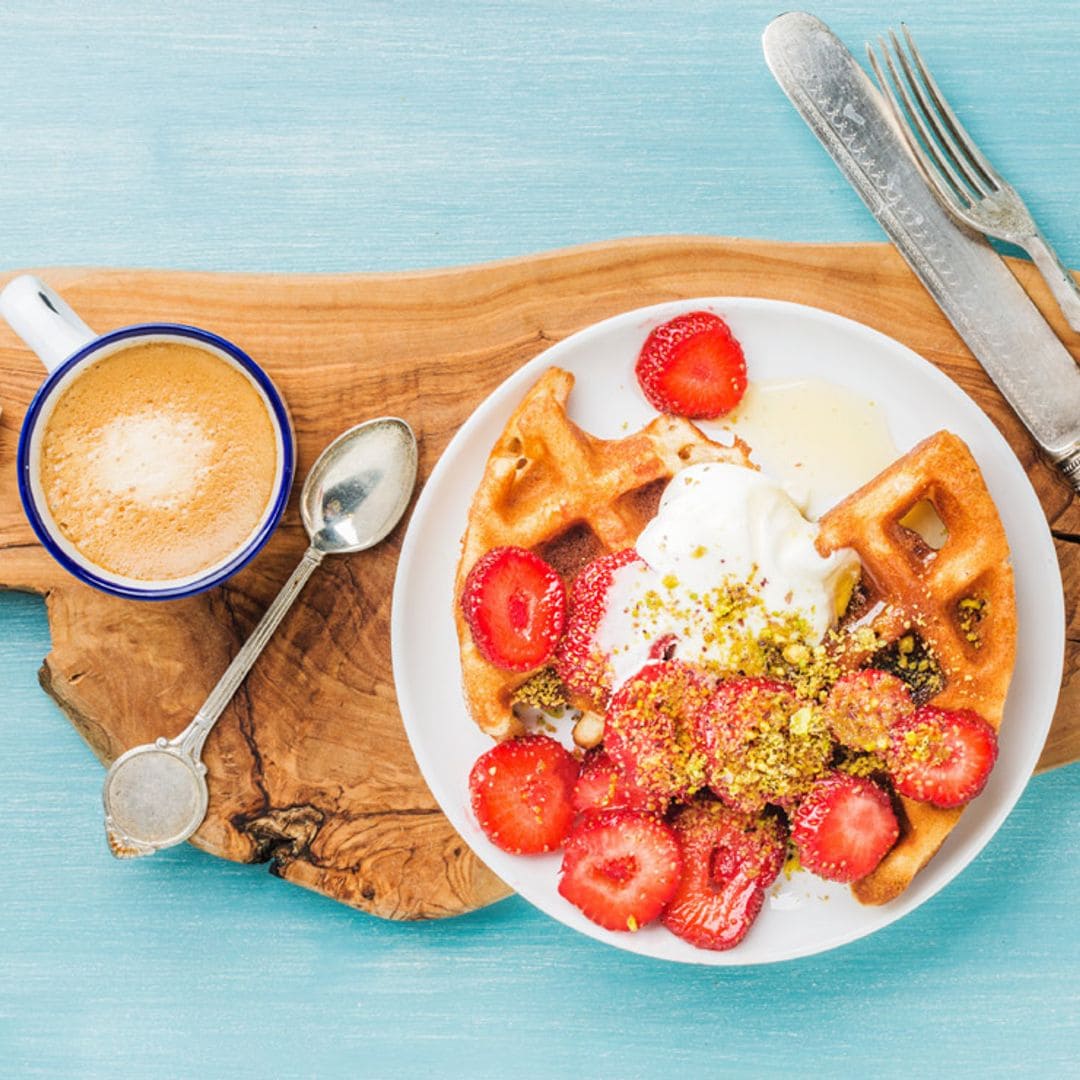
(281,834)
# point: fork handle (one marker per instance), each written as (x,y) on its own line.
(1057,276)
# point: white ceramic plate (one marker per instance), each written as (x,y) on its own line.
(805,915)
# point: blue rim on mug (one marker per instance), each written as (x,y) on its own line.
(254,544)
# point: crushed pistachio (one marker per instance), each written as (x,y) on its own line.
(740,636)
(792,865)
(779,754)
(911,659)
(855,763)
(796,654)
(926,743)
(801,722)
(969,613)
(544,690)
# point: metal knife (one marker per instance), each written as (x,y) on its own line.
(969,280)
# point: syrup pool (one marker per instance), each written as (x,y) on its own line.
(819,440)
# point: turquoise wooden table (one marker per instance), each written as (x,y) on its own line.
(343,136)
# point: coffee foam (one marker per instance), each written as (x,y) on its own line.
(158,461)
(152,458)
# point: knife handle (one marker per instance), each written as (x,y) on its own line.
(1069,467)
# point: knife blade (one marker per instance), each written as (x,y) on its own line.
(967,278)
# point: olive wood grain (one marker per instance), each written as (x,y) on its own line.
(310,768)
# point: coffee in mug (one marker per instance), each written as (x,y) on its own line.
(158,460)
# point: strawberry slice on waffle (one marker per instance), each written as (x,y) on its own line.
(729,860)
(620,868)
(761,743)
(602,785)
(863,706)
(942,756)
(580,661)
(649,730)
(515,607)
(844,828)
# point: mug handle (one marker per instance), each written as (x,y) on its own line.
(43,319)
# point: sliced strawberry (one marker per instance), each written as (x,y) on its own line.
(579,662)
(522,794)
(649,730)
(863,706)
(761,743)
(601,786)
(692,366)
(729,859)
(844,827)
(620,868)
(942,756)
(515,606)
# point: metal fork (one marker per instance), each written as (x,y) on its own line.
(967,185)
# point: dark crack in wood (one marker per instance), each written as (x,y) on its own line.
(281,835)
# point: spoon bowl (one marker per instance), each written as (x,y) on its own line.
(359,486)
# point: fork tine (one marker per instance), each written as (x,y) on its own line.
(945,140)
(988,171)
(937,170)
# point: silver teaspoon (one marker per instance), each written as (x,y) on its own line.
(155,795)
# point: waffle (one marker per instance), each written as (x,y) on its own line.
(958,601)
(553,488)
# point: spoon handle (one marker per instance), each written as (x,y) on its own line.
(193,737)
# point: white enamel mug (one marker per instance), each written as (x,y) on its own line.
(67,347)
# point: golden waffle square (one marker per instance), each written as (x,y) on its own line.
(958,600)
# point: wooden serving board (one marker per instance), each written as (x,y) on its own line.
(309,767)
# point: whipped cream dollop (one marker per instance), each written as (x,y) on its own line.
(728,561)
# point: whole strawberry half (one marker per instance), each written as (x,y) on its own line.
(579,661)
(620,867)
(601,785)
(761,743)
(522,793)
(729,860)
(863,706)
(692,366)
(942,756)
(649,729)
(844,828)
(515,606)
